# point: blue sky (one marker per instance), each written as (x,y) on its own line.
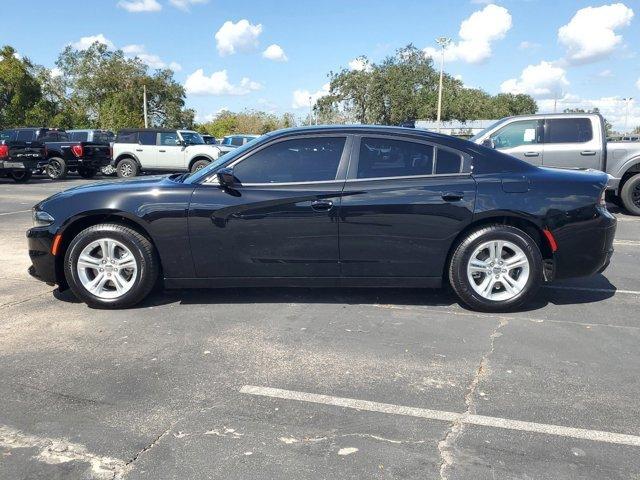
(584,53)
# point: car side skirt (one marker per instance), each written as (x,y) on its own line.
(326,282)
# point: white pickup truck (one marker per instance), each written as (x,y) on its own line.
(573,141)
(157,149)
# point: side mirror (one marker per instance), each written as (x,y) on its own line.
(226,177)
(489,143)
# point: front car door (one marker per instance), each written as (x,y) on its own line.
(403,204)
(522,139)
(171,152)
(572,143)
(281,219)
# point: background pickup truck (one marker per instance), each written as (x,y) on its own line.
(571,141)
(63,155)
(18,159)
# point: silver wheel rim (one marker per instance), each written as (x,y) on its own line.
(126,170)
(498,270)
(107,269)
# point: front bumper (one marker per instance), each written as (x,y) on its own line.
(43,262)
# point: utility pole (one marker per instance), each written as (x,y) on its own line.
(626,117)
(144,101)
(310,110)
(443,42)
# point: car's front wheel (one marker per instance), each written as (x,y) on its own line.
(199,165)
(496,268)
(111,266)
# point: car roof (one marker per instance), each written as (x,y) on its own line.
(134,130)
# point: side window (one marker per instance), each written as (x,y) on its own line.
(568,130)
(25,135)
(79,136)
(448,162)
(147,138)
(296,160)
(7,135)
(524,132)
(127,137)
(169,139)
(383,157)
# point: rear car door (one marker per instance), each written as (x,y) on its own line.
(522,139)
(146,150)
(281,219)
(572,143)
(171,154)
(403,204)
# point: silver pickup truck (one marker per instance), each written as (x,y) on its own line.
(573,141)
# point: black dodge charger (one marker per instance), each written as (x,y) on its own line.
(327,207)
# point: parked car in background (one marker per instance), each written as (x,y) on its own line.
(62,155)
(574,141)
(331,206)
(18,158)
(156,149)
(105,137)
(231,142)
(209,139)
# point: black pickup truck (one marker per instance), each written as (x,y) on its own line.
(18,159)
(63,155)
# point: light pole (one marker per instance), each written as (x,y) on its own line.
(626,117)
(443,42)
(310,110)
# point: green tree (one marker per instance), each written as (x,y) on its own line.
(19,88)
(247,122)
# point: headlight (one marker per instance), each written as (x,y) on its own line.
(41,219)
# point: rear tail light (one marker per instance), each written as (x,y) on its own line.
(602,201)
(110,152)
(77,150)
(4,151)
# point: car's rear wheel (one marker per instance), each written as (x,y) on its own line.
(111,266)
(496,268)
(630,194)
(127,167)
(56,168)
(87,172)
(21,176)
(199,165)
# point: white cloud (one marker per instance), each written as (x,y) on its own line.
(544,80)
(360,64)
(606,73)
(237,37)
(218,84)
(476,35)
(638,84)
(186,4)
(303,98)
(276,53)
(55,72)
(527,45)
(86,42)
(149,59)
(591,33)
(137,6)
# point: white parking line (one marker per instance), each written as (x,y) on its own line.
(481,420)
(634,243)
(591,289)
(13,213)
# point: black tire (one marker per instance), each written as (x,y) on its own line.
(21,176)
(87,172)
(141,249)
(127,168)
(56,169)
(199,165)
(460,282)
(630,194)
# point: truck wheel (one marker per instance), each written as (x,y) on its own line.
(87,172)
(127,167)
(199,165)
(21,176)
(56,168)
(496,268)
(630,194)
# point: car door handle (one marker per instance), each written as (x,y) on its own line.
(452,196)
(162,151)
(139,150)
(531,154)
(587,153)
(322,205)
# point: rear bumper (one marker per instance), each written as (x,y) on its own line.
(12,165)
(94,163)
(43,263)
(613,183)
(585,248)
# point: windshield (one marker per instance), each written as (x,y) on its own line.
(484,131)
(192,138)
(221,161)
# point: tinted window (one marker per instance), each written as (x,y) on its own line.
(127,137)
(192,138)
(26,135)
(147,138)
(524,132)
(237,141)
(569,130)
(169,139)
(382,157)
(448,162)
(103,137)
(298,160)
(79,136)
(7,135)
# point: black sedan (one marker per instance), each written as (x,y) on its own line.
(327,207)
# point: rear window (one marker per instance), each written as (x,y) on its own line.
(26,135)
(103,137)
(78,136)
(7,135)
(127,137)
(147,138)
(448,162)
(568,130)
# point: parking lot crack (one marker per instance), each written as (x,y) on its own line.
(446,446)
(129,464)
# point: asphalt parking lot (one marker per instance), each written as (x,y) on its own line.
(315,384)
